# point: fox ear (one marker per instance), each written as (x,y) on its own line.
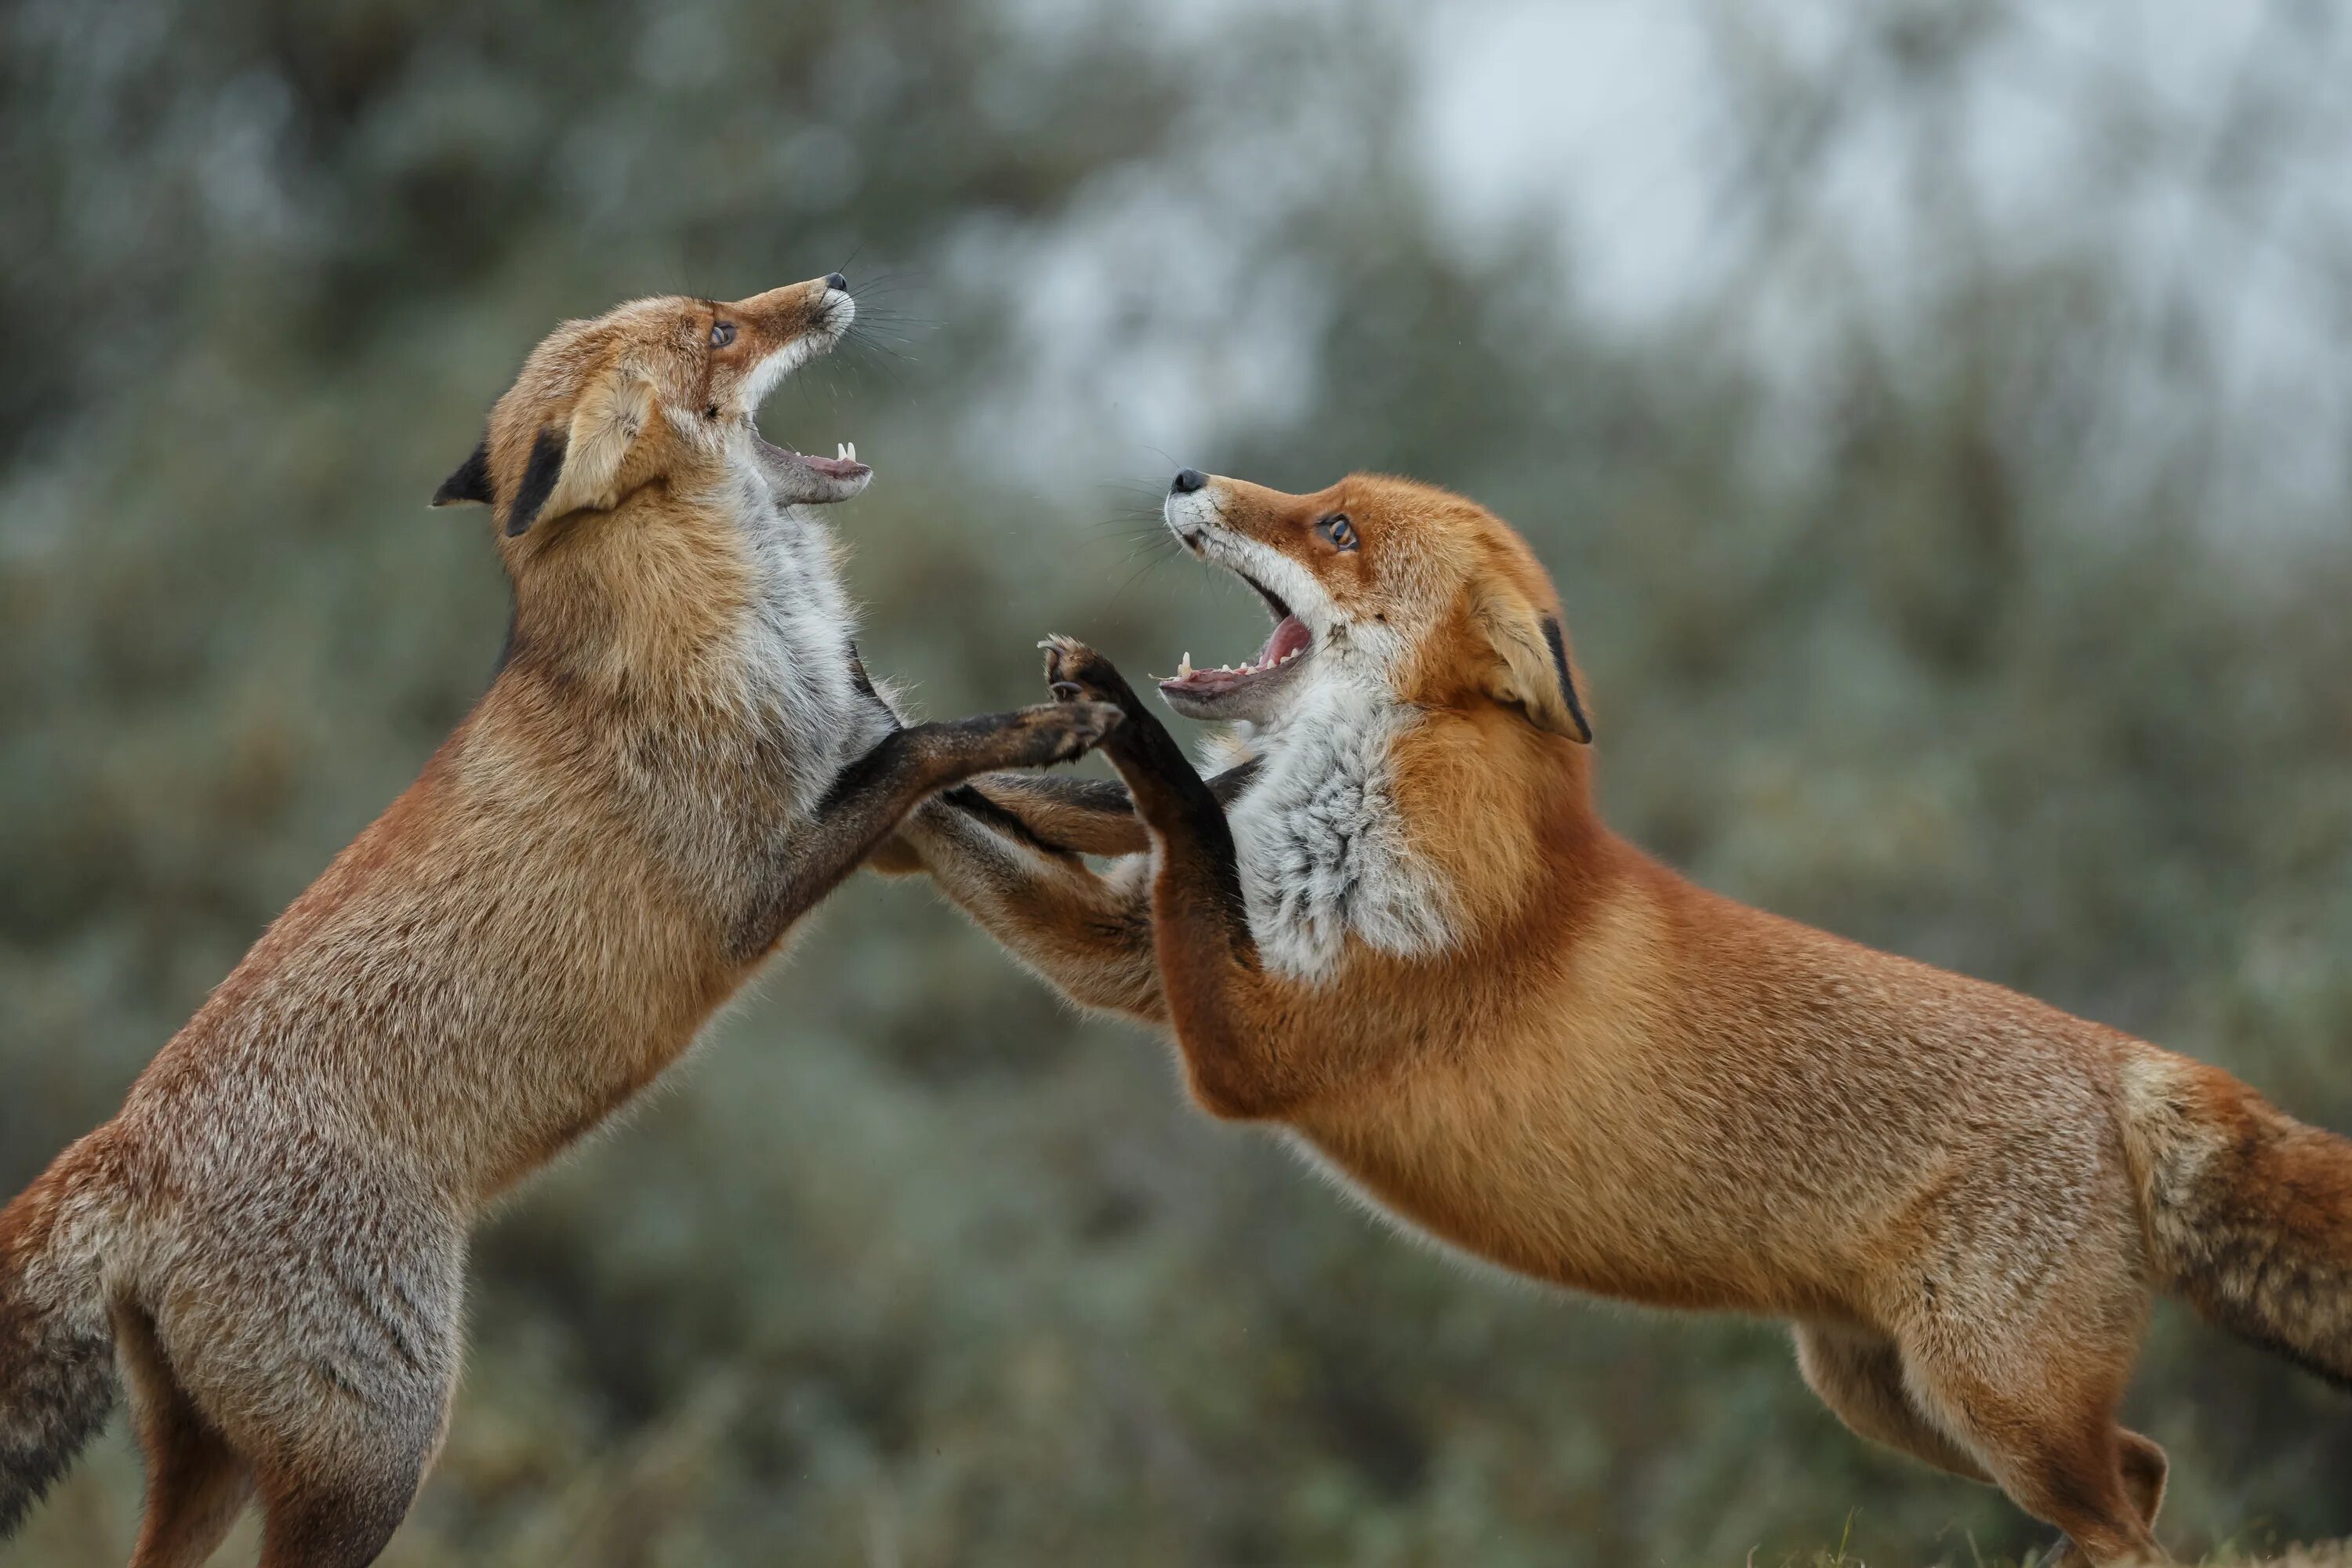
(579,469)
(470,482)
(1533,675)
(538,476)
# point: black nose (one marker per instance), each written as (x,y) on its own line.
(1187,480)
(835,281)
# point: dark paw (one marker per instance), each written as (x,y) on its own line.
(1065,730)
(1076,673)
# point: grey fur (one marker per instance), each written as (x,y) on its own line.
(57,1382)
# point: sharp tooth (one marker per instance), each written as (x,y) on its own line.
(1185,667)
(840,452)
(853,451)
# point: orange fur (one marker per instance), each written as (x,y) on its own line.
(1609,1079)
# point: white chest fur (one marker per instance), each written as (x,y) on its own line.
(1325,854)
(797,644)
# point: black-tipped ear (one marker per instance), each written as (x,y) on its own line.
(470,483)
(538,476)
(1558,643)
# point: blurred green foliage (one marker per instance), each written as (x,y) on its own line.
(910,1266)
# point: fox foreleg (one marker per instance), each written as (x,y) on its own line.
(1086,933)
(1231,1019)
(874,794)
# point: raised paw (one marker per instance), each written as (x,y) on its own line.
(1061,731)
(1076,673)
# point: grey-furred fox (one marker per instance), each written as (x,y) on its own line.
(679,756)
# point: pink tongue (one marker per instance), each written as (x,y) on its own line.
(1290,636)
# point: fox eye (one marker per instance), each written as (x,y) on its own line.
(1338,530)
(721,333)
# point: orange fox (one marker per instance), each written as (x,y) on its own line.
(680,755)
(1411,939)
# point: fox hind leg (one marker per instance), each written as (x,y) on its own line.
(338,1459)
(196,1487)
(340,1477)
(1859,1376)
(197,1484)
(2052,1442)
(339,1480)
(2144,1469)
(335,1524)
(327,1358)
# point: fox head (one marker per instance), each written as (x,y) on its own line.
(656,390)
(1400,587)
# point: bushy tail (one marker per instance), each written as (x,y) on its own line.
(57,1349)
(2249,1210)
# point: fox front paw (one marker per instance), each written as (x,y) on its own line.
(1062,731)
(1076,673)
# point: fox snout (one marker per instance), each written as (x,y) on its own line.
(756,343)
(1261,533)
(1198,502)
(1191,507)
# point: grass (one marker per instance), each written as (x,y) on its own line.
(2323,1555)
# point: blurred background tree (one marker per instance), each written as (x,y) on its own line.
(1935,416)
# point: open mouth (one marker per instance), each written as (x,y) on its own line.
(804,479)
(842,465)
(801,479)
(1236,691)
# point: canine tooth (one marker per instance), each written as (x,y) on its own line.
(853,451)
(1185,666)
(840,452)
